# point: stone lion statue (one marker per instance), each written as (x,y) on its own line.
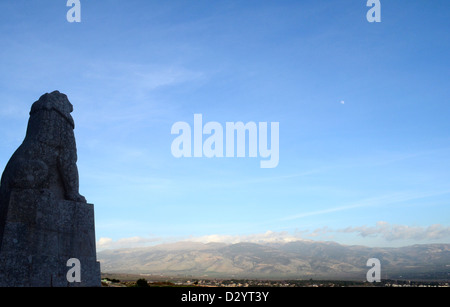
(48,155)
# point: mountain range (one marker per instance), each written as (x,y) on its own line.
(292,260)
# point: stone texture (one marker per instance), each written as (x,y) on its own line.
(48,155)
(44,221)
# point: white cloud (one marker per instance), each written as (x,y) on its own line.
(267,237)
(384,230)
(132,242)
(401,232)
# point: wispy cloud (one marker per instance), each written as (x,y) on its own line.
(267,237)
(135,78)
(383,200)
(401,232)
(132,242)
(383,230)
(11,110)
(119,96)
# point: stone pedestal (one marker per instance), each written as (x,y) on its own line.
(40,235)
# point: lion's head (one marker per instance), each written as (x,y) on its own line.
(54,101)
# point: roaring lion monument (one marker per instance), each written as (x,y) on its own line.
(45,224)
(47,157)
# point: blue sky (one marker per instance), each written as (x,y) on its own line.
(363,111)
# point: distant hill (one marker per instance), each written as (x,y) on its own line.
(296,260)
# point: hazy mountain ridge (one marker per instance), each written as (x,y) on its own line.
(300,259)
